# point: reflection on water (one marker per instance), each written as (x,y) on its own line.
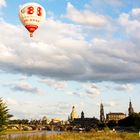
(38,133)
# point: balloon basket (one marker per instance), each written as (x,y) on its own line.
(31,34)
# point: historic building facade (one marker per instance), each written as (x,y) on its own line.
(85,122)
(115,116)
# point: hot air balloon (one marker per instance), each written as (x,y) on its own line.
(31,15)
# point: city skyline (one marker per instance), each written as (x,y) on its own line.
(86,52)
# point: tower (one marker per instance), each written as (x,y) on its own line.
(82,119)
(73,114)
(82,115)
(102,117)
(130,109)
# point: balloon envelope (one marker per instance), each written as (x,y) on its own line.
(31,15)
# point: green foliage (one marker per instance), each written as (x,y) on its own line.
(4,115)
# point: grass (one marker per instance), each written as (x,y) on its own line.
(79,136)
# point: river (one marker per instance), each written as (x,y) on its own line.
(34,133)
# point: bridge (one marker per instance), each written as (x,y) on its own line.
(40,127)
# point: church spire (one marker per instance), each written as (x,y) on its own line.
(102,118)
(82,115)
(130,109)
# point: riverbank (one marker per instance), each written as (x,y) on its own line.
(76,136)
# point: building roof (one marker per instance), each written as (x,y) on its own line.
(115,113)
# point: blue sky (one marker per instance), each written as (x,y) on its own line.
(84,53)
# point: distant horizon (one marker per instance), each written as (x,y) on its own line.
(79,115)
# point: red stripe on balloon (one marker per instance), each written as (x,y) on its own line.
(31,28)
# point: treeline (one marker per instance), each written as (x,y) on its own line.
(26,121)
(132,120)
(18,121)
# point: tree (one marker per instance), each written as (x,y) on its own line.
(112,123)
(4,115)
(132,120)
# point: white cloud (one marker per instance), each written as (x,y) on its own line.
(114,3)
(23,78)
(125,87)
(10,102)
(86,90)
(92,90)
(85,17)
(136,11)
(57,109)
(111,104)
(60,50)
(55,83)
(104,6)
(27,111)
(2,3)
(131,25)
(25,87)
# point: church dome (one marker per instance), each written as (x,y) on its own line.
(73,114)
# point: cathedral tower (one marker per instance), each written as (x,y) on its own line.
(130,109)
(102,117)
(82,115)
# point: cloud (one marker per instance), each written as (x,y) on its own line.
(27,111)
(54,83)
(92,90)
(114,3)
(23,78)
(10,102)
(61,51)
(85,17)
(111,104)
(24,87)
(136,12)
(2,3)
(14,107)
(125,87)
(87,90)
(107,7)
(59,109)
(48,56)
(131,25)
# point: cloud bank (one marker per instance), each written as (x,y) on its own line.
(64,51)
